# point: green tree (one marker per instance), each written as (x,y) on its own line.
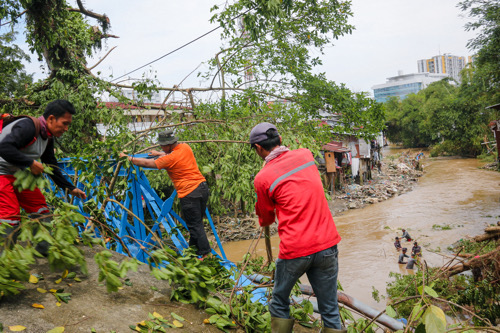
(13,78)
(485,19)
(273,47)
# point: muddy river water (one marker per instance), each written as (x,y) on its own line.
(452,193)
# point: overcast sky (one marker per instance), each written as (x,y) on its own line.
(390,35)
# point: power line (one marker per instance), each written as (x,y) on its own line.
(177,49)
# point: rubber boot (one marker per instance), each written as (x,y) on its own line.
(281,325)
(43,246)
(332,330)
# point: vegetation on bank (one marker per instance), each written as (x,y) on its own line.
(452,118)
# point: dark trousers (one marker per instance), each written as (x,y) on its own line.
(193,209)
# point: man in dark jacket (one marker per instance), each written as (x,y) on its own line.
(402,256)
(21,147)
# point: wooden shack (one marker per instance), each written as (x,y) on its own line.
(335,171)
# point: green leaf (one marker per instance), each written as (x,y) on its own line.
(434,320)
(56,330)
(430,291)
(390,311)
(176,316)
(416,313)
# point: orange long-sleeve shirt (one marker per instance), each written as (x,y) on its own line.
(182,169)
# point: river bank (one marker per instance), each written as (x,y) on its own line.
(396,177)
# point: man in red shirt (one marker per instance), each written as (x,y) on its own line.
(179,161)
(289,187)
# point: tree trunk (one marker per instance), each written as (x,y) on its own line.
(476,261)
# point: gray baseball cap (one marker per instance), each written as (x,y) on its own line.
(167,138)
(258,133)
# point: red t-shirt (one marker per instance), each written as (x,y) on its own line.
(182,169)
(290,187)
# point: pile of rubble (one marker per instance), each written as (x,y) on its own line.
(395,178)
(491,166)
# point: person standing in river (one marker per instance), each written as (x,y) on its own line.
(289,187)
(406,235)
(411,262)
(397,244)
(416,249)
(179,161)
(402,256)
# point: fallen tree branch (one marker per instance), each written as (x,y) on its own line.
(474,262)
(194,141)
(490,233)
(91,68)
(267,93)
(86,12)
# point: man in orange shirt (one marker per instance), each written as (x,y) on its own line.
(179,161)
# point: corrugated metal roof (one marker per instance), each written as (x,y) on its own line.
(335,146)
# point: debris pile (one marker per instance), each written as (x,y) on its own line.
(240,228)
(396,178)
(491,166)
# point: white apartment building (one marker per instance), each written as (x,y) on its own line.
(443,64)
(404,84)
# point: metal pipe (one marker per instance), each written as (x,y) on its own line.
(346,300)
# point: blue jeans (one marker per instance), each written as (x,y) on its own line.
(322,270)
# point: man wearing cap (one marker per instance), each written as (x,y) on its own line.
(179,161)
(416,249)
(289,187)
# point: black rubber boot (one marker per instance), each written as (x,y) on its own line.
(281,325)
(43,246)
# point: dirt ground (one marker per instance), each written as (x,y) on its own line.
(92,309)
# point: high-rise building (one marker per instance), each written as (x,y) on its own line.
(404,84)
(443,64)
